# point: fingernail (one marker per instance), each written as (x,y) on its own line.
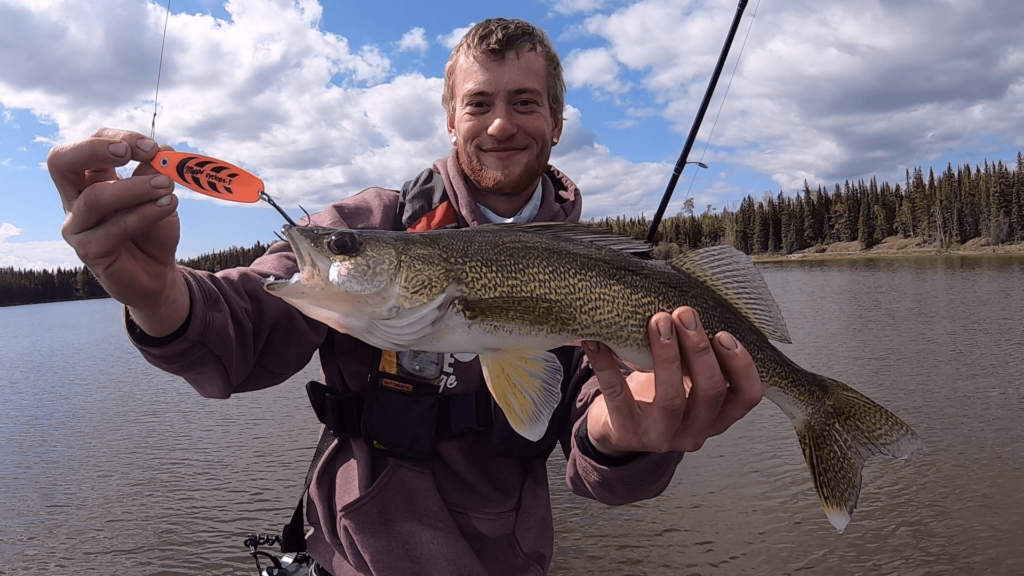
(164,201)
(664,325)
(119,149)
(591,347)
(145,144)
(160,181)
(727,341)
(689,319)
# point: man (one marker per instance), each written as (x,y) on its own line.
(470,499)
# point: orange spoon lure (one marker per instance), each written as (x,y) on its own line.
(213,177)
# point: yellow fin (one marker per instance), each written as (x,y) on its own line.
(526,384)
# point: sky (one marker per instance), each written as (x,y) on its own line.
(324,99)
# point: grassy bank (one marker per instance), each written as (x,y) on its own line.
(893,247)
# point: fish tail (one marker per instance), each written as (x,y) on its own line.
(839,435)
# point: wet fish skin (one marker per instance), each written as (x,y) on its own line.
(536,287)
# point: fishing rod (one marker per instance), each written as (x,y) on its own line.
(696,124)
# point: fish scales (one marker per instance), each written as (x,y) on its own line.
(492,288)
(595,293)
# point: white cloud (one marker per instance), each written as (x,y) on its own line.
(34,255)
(569,7)
(611,185)
(451,39)
(594,68)
(835,90)
(414,40)
(6,162)
(8,230)
(265,89)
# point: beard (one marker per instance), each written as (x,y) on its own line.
(506,182)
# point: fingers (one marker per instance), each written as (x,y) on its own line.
(108,200)
(146,168)
(618,429)
(745,387)
(75,166)
(670,401)
(708,384)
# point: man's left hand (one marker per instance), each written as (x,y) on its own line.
(699,387)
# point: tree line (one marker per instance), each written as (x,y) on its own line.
(945,210)
(38,286)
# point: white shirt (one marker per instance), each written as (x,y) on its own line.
(524,215)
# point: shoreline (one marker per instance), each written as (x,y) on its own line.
(894,248)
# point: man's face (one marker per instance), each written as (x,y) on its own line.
(502,121)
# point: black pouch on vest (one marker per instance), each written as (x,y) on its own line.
(400,413)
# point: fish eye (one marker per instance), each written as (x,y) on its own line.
(344,243)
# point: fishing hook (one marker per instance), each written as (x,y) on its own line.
(266,197)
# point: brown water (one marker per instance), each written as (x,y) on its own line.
(108,466)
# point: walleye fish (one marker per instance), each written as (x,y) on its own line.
(509,293)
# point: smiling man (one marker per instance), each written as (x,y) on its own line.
(421,473)
(503,122)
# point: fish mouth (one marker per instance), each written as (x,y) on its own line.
(313,266)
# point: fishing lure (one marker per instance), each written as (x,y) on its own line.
(215,178)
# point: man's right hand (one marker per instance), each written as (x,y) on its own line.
(125,230)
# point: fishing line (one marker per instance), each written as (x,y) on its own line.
(725,95)
(205,174)
(159,71)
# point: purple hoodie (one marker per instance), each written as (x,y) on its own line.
(465,511)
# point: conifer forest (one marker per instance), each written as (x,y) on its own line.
(984,204)
(943,210)
(38,286)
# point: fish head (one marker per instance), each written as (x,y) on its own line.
(337,263)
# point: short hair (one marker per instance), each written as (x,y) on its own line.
(494,38)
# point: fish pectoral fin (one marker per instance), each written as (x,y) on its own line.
(518,311)
(733,275)
(527,385)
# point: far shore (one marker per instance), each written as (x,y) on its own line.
(894,247)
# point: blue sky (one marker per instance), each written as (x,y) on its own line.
(322,100)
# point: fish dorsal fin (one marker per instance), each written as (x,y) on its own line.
(526,384)
(580,231)
(733,276)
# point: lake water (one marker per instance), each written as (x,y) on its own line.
(108,466)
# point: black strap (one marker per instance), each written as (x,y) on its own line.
(341,412)
(329,408)
(459,413)
(293,536)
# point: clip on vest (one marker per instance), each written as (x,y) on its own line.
(341,412)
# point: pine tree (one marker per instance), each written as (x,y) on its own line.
(866,225)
